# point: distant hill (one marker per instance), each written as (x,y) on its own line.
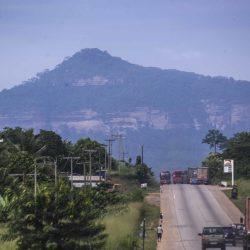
(94,94)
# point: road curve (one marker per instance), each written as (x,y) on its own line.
(187,209)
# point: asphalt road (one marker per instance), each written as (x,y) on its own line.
(187,209)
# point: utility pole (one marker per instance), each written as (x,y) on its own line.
(71,158)
(90,151)
(143,233)
(55,165)
(84,171)
(142,152)
(35,182)
(110,152)
(120,138)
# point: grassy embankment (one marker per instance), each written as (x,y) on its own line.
(7,245)
(243,192)
(123,229)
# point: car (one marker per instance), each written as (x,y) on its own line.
(193,181)
(239,230)
(229,234)
(213,237)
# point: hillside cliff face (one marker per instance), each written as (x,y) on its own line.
(95,94)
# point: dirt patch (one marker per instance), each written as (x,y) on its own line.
(153,199)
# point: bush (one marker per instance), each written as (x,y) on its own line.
(59,219)
(137,195)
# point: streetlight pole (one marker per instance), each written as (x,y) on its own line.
(71,158)
(35,182)
(90,151)
(142,155)
(55,164)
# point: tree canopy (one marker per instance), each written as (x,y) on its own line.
(215,139)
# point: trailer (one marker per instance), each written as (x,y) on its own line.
(202,175)
(165,177)
(177,177)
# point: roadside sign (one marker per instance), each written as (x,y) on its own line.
(228,166)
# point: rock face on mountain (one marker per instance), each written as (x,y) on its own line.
(94,94)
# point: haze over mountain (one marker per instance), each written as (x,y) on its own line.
(94,94)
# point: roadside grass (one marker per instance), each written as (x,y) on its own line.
(243,192)
(122,228)
(6,245)
(151,214)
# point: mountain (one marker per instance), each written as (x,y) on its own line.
(95,94)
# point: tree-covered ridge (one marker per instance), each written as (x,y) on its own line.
(94,93)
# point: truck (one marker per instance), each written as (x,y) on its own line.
(246,240)
(202,175)
(177,176)
(184,177)
(165,177)
(192,175)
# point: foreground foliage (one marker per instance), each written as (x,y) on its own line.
(60,218)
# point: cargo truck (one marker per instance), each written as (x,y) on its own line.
(177,177)
(202,175)
(192,175)
(246,240)
(185,177)
(165,177)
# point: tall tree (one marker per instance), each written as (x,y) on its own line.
(59,219)
(238,148)
(214,162)
(215,139)
(53,142)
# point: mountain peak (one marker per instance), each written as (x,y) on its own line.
(91,51)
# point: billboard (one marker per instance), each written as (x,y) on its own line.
(228,166)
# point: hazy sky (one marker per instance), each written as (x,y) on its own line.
(211,37)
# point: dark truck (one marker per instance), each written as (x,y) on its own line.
(177,176)
(192,175)
(246,239)
(213,237)
(165,177)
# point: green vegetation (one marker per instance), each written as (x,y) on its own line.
(236,148)
(243,192)
(6,245)
(151,213)
(137,210)
(58,218)
(122,228)
(215,139)
(51,214)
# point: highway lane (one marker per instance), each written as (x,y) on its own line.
(187,209)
